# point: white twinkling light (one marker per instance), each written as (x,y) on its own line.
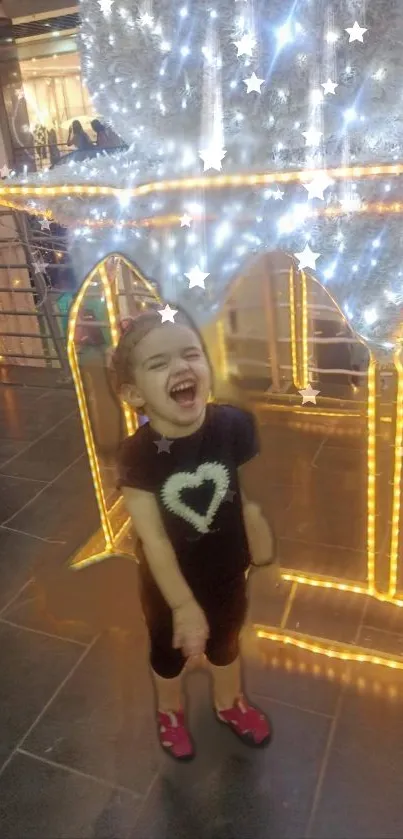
(316,96)
(370,316)
(350,114)
(284,34)
(154,73)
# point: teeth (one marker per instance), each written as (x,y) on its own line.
(183,386)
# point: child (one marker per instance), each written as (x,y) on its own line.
(181,481)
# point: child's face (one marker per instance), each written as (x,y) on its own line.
(172,379)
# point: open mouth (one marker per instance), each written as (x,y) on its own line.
(184,394)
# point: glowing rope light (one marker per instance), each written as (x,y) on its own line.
(105,515)
(205,182)
(302,643)
(332,584)
(88,435)
(397,481)
(305,354)
(131,425)
(345,654)
(371,492)
(222,350)
(293,327)
(372,208)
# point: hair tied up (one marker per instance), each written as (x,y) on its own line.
(126,325)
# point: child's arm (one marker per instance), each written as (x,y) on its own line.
(190,625)
(259,534)
(260,537)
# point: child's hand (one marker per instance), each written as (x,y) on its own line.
(273,574)
(190,629)
(260,536)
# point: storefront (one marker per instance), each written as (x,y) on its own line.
(54,96)
(44,91)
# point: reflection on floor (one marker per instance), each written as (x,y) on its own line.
(78,753)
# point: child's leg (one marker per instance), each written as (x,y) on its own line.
(167,665)
(169,692)
(227,684)
(166,662)
(223,653)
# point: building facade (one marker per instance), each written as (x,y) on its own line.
(41,82)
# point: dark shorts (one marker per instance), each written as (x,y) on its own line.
(225,607)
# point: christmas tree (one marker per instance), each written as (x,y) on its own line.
(242,88)
(271,81)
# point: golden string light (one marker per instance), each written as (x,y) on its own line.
(82,403)
(105,515)
(173,220)
(112,538)
(304,328)
(333,584)
(293,326)
(319,648)
(371,476)
(222,349)
(204,182)
(131,424)
(397,480)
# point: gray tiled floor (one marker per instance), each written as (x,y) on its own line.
(78,750)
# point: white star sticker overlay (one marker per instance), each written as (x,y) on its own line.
(318,186)
(246,45)
(147,20)
(105,6)
(278,195)
(45,224)
(356,32)
(163,445)
(167,314)
(196,277)
(309,394)
(307,258)
(253,83)
(186,220)
(229,495)
(312,136)
(329,87)
(212,158)
(5,171)
(39,267)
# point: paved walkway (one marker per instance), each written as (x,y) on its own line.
(78,752)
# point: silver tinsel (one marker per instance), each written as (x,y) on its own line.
(150,78)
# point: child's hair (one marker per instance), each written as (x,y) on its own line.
(134,331)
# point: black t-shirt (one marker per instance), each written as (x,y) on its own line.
(195,482)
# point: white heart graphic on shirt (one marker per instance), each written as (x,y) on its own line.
(217,473)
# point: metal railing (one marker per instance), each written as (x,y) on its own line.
(35,275)
(39,158)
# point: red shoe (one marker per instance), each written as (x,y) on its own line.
(247,722)
(174,736)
